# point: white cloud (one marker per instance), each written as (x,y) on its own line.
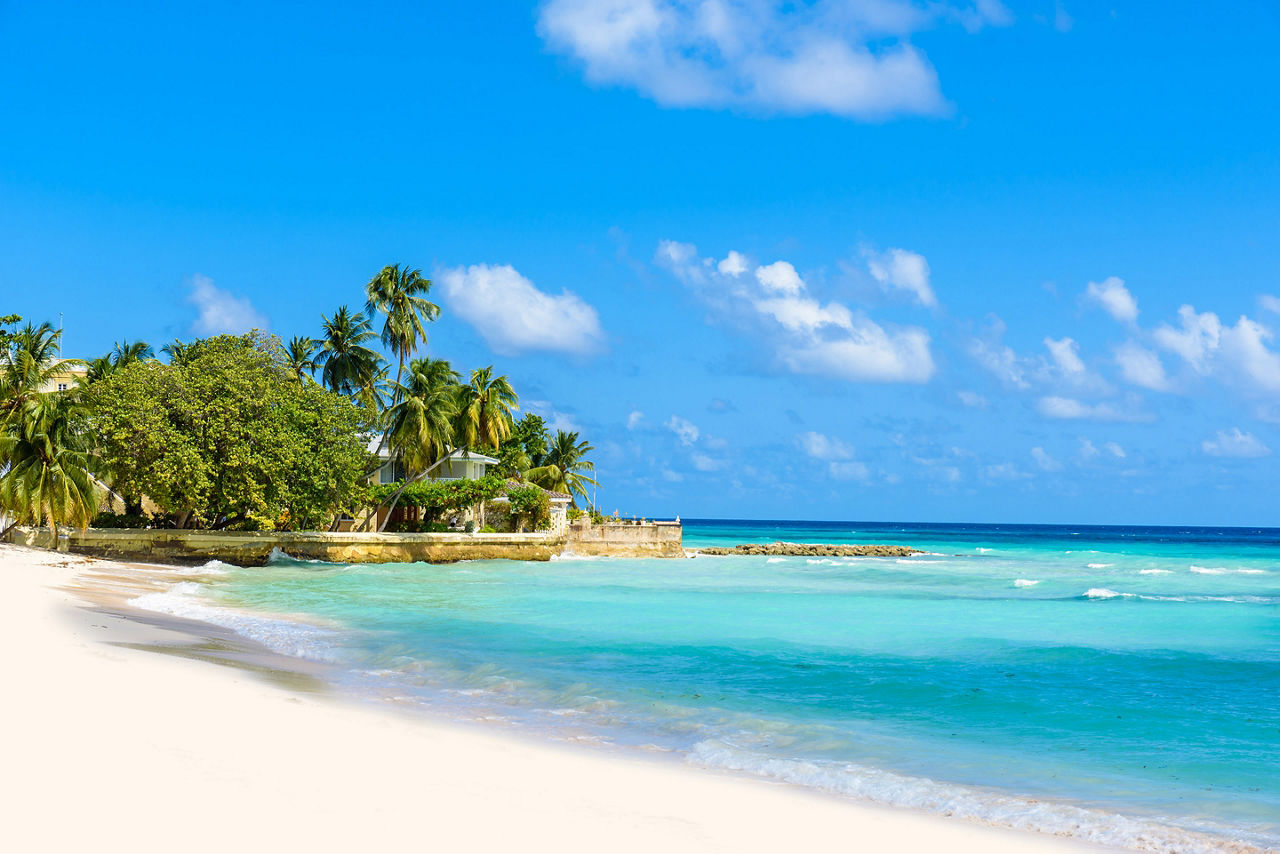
(702,462)
(672,476)
(513,316)
(780,278)
(634,419)
(1115,450)
(1141,366)
(1241,351)
(1054,406)
(1269,303)
(1087,449)
(972,399)
(734,264)
(824,448)
(807,336)
(1005,471)
(1196,341)
(828,56)
(1044,460)
(555,419)
(1234,443)
(1066,356)
(1062,20)
(687,431)
(997,357)
(849,471)
(1245,349)
(219,312)
(908,271)
(1114,298)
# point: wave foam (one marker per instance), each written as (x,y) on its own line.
(1099,565)
(1103,593)
(278,634)
(1155,571)
(1024,582)
(1209,570)
(891,789)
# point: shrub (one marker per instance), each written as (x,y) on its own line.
(531,503)
(488,529)
(437,497)
(575,514)
(120,520)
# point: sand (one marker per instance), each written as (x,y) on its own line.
(111,745)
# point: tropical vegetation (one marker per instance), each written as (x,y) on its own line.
(250,432)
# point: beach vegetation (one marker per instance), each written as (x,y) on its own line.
(300,353)
(217,438)
(530,506)
(347,364)
(435,498)
(564,466)
(400,296)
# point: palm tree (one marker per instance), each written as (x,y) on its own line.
(563,466)
(347,365)
(45,453)
(420,425)
(485,407)
(400,296)
(30,363)
(300,354)
(176,350)
(126,353)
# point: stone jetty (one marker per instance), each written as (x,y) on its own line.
(810,550)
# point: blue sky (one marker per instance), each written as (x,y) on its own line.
(963,233)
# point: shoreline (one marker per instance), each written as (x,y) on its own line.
(658,802)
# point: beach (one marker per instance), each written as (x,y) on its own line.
(121,739)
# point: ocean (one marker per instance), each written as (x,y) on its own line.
(1117,684)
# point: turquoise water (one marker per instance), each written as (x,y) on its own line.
(1122,684)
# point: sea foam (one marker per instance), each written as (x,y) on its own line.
(1025,582)
(1103,593)
(898,790)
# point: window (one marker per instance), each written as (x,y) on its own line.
(62,386)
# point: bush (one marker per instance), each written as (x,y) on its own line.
(574,514)
(531,503)
(437,497)
(120,520)
(488,529)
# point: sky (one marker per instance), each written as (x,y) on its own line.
(864,260)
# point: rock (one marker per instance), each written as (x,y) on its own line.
(811,550)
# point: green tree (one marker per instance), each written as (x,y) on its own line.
(301,353)
(485,407)
(347,365)
(525,447)
(221,438)
(29,364)
(420,425)
(400,296)
(122,354)
(48,469)
(564,466)
(5,334)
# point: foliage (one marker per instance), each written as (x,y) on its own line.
(48,469)
(30,362)
(532,503)
(217,438)
(425,527)
(400,295)
(107,519)
(563,466)
(420,425)
(301,355)
(436,497)
(575,514)
(122,355)
(347,365)
(524,448)
(5,334)
(485,407)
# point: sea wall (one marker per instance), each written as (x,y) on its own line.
(252,548)
(651,539)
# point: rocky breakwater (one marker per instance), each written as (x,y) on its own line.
(810,550)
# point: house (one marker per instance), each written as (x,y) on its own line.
(457,465)
(67,374)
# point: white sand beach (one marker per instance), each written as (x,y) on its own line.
(114,748)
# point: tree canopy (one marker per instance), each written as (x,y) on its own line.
(220,437)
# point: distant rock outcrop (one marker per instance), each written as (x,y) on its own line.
(810,550)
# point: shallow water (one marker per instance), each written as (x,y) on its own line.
(1119,684)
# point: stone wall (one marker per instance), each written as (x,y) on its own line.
(252,548)
(651,539)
